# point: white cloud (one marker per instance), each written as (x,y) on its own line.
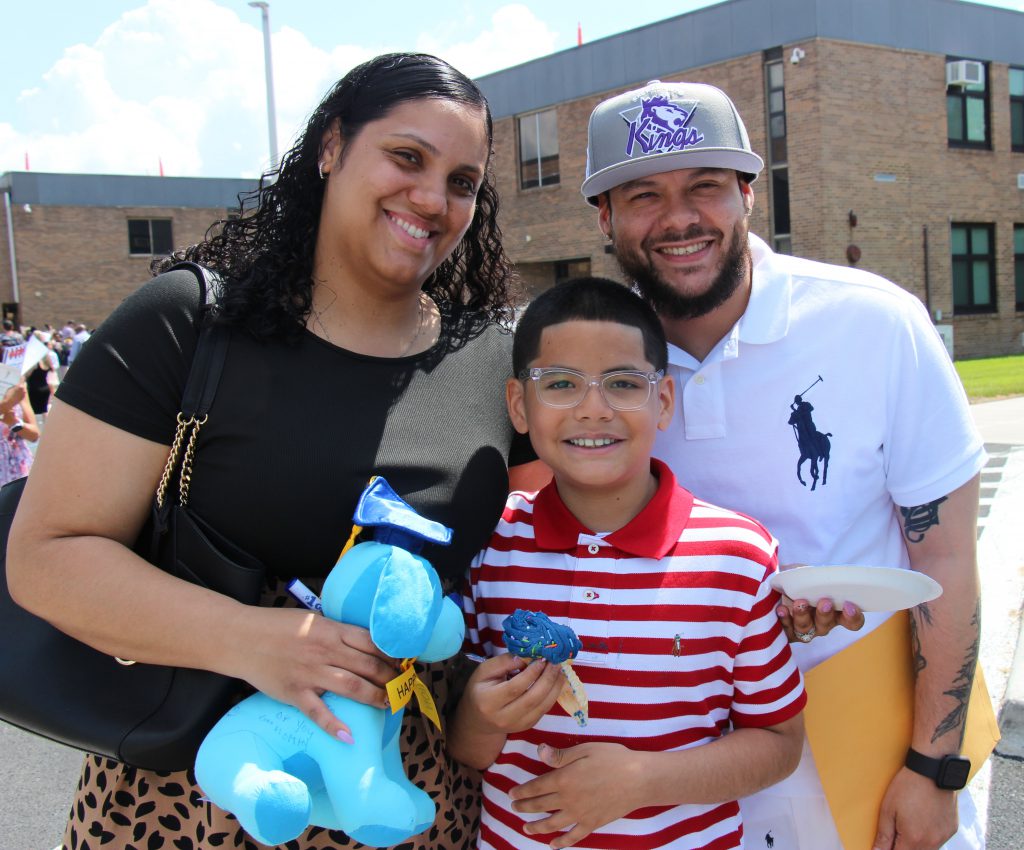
(182,82)
(515,35)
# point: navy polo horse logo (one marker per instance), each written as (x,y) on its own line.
(814,446)
(660,125)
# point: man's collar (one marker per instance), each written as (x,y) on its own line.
(652,533)
(766,318)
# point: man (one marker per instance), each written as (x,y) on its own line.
(820,400)
(10,336)
(80,338)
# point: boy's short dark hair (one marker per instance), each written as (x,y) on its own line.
(592,299)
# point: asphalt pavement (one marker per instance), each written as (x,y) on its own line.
(39,777)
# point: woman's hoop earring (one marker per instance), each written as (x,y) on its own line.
(320,171)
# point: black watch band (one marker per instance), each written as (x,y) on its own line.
(950,773)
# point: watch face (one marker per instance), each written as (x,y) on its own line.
(953,773)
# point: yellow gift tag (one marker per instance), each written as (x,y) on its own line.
(404,685)
(426,702)
(401,688)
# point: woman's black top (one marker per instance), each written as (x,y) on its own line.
(297,429)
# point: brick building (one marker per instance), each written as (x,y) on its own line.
(892,131)
(76,244)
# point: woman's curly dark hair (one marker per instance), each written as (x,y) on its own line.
(265,256)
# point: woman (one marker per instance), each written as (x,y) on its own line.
(17,424)
(43,379)
(363,293)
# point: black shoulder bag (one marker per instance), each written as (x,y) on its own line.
(145,715)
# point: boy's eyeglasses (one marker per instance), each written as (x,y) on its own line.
(622,390)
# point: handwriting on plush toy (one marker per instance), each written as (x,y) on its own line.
(298,735)
(247,764)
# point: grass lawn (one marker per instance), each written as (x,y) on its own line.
(991,377)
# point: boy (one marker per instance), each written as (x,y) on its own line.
(668,594)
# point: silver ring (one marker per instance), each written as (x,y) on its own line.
(805,637)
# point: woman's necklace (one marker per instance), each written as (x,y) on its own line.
(318,322)
(419,327)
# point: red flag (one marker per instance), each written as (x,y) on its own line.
(160,160)
(26,162)
(579,34)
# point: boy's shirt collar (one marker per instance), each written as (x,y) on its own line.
(652,533)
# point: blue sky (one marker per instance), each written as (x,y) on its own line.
(121,86)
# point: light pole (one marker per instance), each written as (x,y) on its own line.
(271,117)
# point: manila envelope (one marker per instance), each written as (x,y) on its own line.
(859,715)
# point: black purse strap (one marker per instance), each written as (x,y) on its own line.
(211,349)
(200,390)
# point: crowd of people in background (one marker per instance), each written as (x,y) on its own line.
(23,407)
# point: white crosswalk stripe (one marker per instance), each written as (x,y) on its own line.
(991,475)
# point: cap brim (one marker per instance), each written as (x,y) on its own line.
(745,162)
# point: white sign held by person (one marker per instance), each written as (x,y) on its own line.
(10,368)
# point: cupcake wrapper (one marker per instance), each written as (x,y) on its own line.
(573,697)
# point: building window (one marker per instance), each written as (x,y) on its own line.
(569,269)
(974,272)
(778,154)
(538,149)
(967,111)
(150,236)
(1017,109)
(1018,263)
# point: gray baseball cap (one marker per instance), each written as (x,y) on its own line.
(664,127)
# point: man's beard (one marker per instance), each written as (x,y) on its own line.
(666,300)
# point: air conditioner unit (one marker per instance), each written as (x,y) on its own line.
(965,72)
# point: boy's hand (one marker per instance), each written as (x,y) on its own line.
(591,785)
(494,702)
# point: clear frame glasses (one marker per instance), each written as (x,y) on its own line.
(622,390)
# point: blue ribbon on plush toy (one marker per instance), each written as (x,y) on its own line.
(276,770)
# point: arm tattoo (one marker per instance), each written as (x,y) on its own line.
(917,520)
(919,661)
(961,690)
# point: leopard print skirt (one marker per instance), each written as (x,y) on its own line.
(118,806)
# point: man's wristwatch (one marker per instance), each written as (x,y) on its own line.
(949,772)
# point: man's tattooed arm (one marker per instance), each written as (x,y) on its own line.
(924,614)
(961,690)
(917,520)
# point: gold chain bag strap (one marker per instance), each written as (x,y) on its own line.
(189,426)
(145,715)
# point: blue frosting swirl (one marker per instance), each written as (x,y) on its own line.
(532,634)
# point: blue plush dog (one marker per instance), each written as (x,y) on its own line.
(276,770)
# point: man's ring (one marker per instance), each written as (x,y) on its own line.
(806,637)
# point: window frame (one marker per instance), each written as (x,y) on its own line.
(779,213)
(1018,267)
(964,95)
(971,257)
(1016,100)
(541,182)
(150,238)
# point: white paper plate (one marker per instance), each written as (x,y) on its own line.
(870,588)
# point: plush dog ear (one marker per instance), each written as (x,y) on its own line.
(406,605)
